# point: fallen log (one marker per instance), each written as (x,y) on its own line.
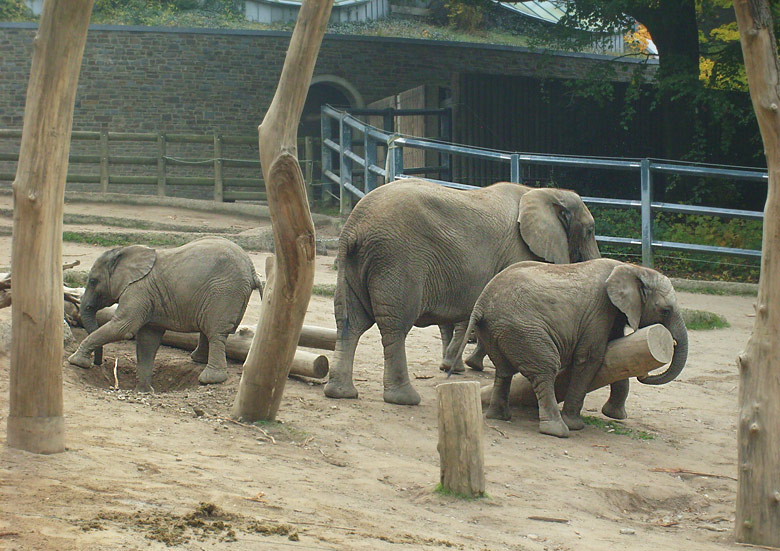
(305,364)
(634,355)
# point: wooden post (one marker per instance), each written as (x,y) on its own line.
(161,176)
(291,277)
(634,355)
(35,420)
(218,182)
(104,161)
(461,449)
(758,427)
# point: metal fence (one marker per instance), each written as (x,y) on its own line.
(204,168)
(374,138)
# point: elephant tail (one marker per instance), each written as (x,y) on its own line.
(476,317)
(257,283)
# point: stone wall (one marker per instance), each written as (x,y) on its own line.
(201,80)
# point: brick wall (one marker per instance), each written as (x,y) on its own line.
(199,80)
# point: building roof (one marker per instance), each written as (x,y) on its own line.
(548,12)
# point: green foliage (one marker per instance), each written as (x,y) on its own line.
(191,13)
(14,10)
(616,427)
(324,290)
(698,320)
(466,15)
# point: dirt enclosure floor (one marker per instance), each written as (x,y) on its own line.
(171,470)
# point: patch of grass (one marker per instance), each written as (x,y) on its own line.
(719,288)
(441,490)
(698,320)
(324,290)
(615,427)
(121,240)
(75,278)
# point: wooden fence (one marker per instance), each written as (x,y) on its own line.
(113,170)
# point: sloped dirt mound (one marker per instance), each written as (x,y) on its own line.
(169,374)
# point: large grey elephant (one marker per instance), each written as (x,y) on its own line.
(202,286)
(416,253)
(538,318)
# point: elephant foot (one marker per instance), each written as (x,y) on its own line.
(554,428)
(340,390)
(457,369)
(212,375)
(574,422)
(81,360)
(199,357)
(475,363)
(404,395)
(144,388)
(614,412)
(498,412)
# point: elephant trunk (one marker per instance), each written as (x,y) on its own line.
(676,327)
(89,320)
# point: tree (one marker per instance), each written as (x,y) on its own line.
(290,277)
(758,432)
(35,420)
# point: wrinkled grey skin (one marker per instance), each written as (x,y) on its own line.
(202,286)
(539,318)
(416,253)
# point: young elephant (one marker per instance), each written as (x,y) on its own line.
(540,318)
(201,286)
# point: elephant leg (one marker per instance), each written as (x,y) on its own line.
(550,420)
(216,369)
(348,333)
(115,330)
(451,351)
(398,388)
(147,341)
(446,336)
(583,370)
(615,406)
(499,399)
(201,353)
(477,358)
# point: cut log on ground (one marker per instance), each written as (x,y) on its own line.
(461,450)
(634,355)
(305,364)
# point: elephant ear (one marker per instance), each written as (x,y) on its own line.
(127,265)
(624,288)
(545,215)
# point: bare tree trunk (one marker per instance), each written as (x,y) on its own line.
(758,433)
(291,276)
(35,420)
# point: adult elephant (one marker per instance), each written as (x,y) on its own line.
(417,253)
(202,286)
(538,319)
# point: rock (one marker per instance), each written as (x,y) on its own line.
(627,531)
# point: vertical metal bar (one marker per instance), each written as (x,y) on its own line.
(445,133)
(369,155)
(325,156)
(647,214)
(395,160)
(218,181)
(514,168)
(308,153)
(104,161)
(345,170)
(161,176)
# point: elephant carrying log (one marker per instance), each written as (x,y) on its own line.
(538,319)
(416,253)
(202,286)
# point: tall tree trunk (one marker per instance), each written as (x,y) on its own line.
(758,436)
(35,420)
(291,276)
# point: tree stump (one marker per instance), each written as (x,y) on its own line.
(461,450)
(634,355)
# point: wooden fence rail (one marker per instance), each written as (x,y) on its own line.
(109,166)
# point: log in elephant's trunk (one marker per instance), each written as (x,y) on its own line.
(676,327)
(89,320)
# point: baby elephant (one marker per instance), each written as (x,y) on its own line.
(201,286)
(539,318)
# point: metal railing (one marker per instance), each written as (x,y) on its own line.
(394,169)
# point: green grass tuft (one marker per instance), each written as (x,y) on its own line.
(441,490)
(324,290)
(698,320)
(615,427)
(75,278)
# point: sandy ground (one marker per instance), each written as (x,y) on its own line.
(361,474)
